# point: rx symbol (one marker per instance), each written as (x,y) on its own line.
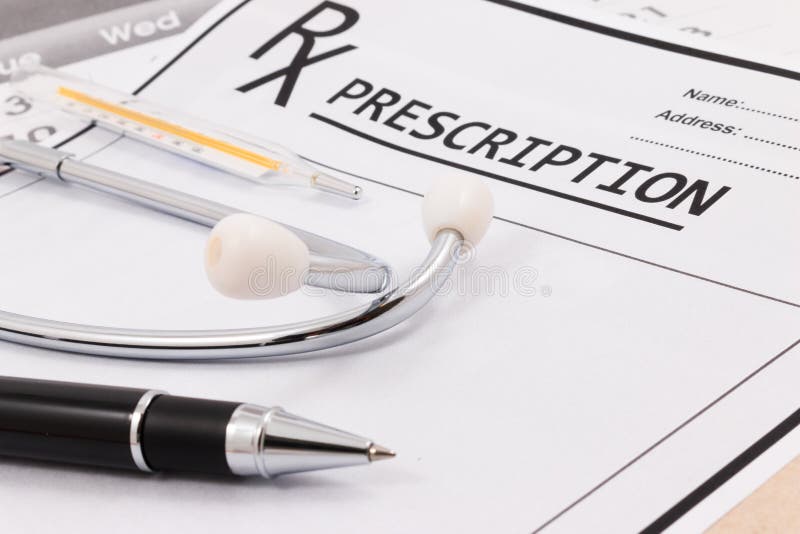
(303,57)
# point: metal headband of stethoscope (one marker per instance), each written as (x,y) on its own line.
(455,212)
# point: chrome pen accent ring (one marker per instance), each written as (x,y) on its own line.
(135,435)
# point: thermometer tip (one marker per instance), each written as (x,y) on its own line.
(329,184)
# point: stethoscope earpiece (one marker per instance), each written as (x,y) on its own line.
(250,257)
(463,203)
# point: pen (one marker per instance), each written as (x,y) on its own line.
(149,430)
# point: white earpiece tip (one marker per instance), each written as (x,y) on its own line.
(462,203)
(250,257)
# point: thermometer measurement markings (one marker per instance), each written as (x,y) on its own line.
(101,109)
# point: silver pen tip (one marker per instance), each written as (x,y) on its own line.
(378,452)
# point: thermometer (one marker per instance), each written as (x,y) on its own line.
(236,153)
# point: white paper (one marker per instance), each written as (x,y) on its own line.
(600,387)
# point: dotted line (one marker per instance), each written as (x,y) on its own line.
(767,141)
(762,112)
(712,156)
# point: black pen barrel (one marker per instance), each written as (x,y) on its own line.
(67,422)
(112,426)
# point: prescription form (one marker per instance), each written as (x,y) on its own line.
(622,344)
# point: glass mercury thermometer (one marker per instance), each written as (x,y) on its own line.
(213,145)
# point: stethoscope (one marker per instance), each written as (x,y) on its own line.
(456,213)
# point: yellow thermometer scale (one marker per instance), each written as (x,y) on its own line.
(213,145)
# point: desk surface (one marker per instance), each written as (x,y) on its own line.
(773,507)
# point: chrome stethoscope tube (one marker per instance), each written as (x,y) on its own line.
(385,311)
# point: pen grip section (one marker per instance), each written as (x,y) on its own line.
(187,434)
(67,422)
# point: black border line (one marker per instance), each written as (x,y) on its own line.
(649,41)
(474,170)
(725,474)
